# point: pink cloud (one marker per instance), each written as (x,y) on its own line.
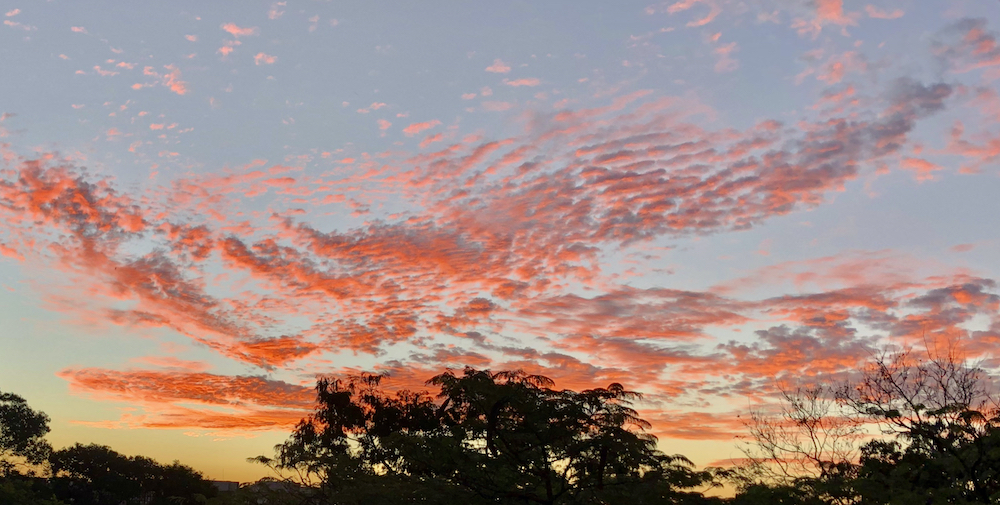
(642,314)
(373,106)
(832,11)
(498,67)
(531,81)
(15,24)
(501,228)
(709,17)
(494,106)
(172,80)
(681,5)
(104,73)
(383,124)
(78,29)
(967,45)
(684,5)
(977,153)
(265,59)
(237,31)
(923,169)
(836,67)
(845,270)
(430,139)
(726,63)
(10,252)
(876,13)
(416,128)
(275,11)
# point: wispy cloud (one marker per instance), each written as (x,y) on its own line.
(238,31)
(498,67)
(264,59)
(416,128)
(527,81)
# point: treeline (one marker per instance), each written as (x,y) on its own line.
(32,473)
(903,431)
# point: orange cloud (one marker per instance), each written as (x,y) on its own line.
(832,11)
(695,425)
(502,236)
(249,402)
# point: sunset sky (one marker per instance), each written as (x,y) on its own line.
(205,204)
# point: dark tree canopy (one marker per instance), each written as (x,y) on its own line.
(939,443)
(944,427)
(503,437)
(508,437)
(96,474)
(22,433)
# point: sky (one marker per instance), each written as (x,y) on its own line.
(206,205)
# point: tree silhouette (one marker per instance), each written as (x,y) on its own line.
(945,424)
(96,475)
(487,437)
(23,452)
(807,449)
(809,437)
(939,443)
(22,433)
